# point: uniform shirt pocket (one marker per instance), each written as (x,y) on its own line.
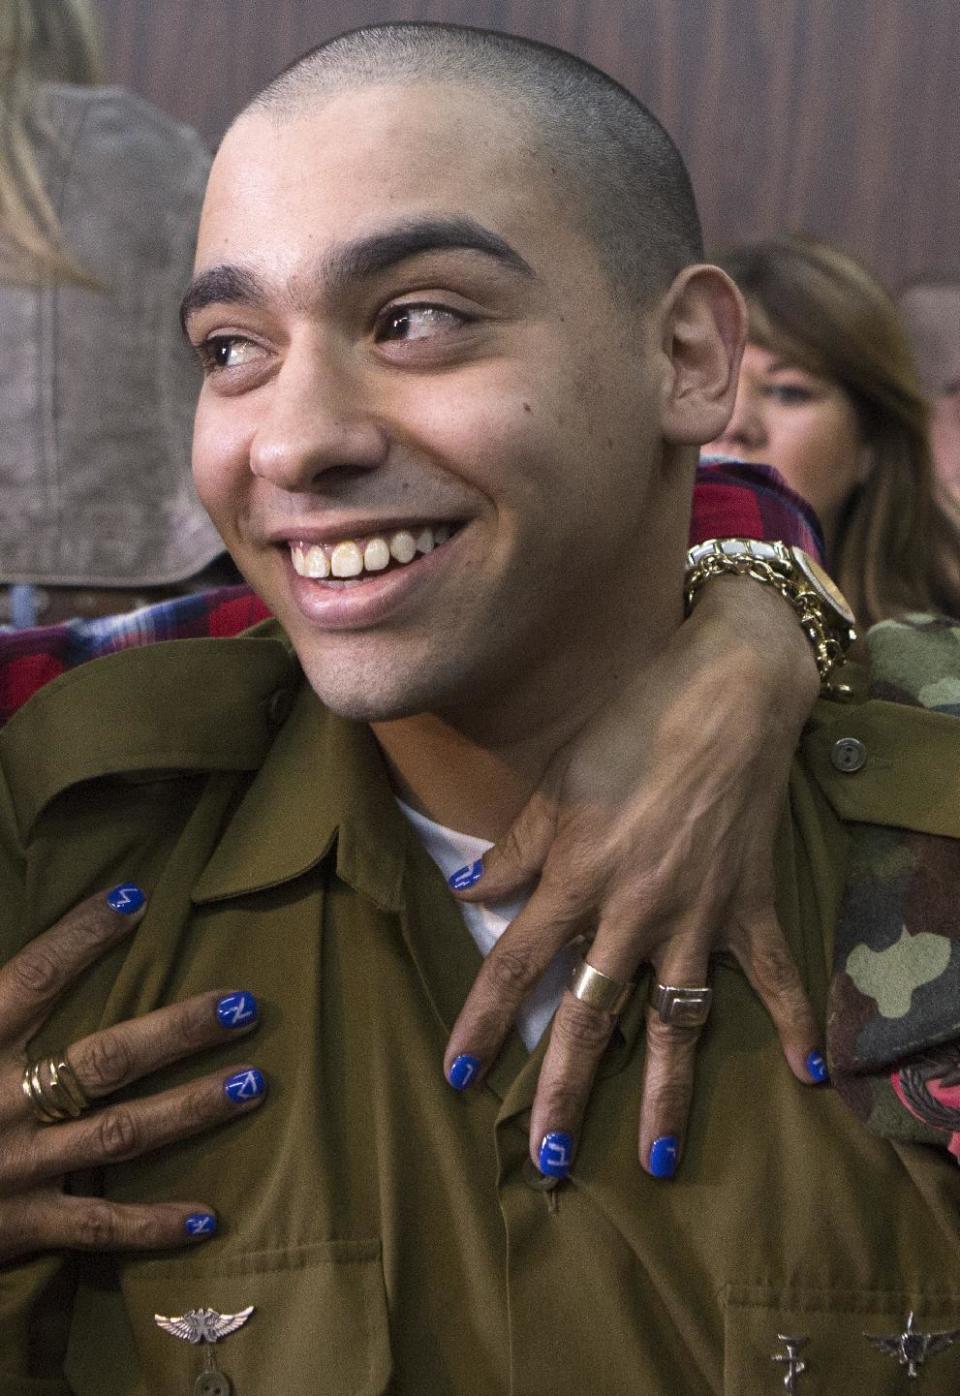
(318,1328)
(827,1346)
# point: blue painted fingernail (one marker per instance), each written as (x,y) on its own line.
(817,1068)
(200,1224)
(466,877)
(127,898)
(246,1085)
(462,1071)
(664,1156)
(555,1154)
(237,1010)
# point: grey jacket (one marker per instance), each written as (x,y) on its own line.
(96,388)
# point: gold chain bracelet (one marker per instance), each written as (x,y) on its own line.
(827,649)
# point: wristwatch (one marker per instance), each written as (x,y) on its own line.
(821,607)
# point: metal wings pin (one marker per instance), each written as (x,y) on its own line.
(911,1347)
(205,1326)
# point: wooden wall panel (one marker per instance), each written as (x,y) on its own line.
(839,117)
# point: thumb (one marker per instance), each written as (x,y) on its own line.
(513,861)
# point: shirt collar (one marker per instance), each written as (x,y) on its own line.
(186,705)
(322,784)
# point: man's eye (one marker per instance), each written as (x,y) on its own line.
(418,322)
(227,351)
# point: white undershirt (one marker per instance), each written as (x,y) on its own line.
(487,921)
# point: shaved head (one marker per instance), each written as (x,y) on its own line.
(619,172)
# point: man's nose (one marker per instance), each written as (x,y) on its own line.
(746,429)
(317,419)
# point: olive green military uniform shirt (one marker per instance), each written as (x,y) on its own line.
(388,1231)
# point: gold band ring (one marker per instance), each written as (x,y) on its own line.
(52,1091)
(680,1006)
(600,990)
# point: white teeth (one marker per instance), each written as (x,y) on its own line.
(350,558)
(346,560)
(403,548)
(315,563)
(376,555)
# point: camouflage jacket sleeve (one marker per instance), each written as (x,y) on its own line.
(893,1025)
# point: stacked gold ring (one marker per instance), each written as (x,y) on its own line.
(52,1090)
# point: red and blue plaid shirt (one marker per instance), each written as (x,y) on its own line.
(730,500)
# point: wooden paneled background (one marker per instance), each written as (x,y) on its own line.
(837,117)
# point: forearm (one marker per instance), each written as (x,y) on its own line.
(756,643)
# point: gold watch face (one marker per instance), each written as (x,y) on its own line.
(824,585)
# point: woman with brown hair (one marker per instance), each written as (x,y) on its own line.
(829,395)
(38,44)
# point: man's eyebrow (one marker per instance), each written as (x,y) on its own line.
(380,251)
(222,285)
(357,260)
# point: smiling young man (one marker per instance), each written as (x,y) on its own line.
(459,354)
(416,340)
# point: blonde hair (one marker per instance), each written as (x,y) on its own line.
(898,545)
(40,41)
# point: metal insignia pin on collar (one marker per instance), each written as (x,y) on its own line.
(205,1326)
(794,1362)
(912,1348)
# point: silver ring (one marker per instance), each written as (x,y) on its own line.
(599,990)
(681,1006)
(52,1091)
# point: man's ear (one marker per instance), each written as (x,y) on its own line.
(704,325)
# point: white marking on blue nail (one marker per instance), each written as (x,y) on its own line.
(462,1071)
(127,898)
(200,1224)
(466,877)
(246,1085)
(236,1010)
(555,1154)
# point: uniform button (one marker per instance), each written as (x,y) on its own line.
(540,1182)
(279,705)
(848,755)
(212,1384)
